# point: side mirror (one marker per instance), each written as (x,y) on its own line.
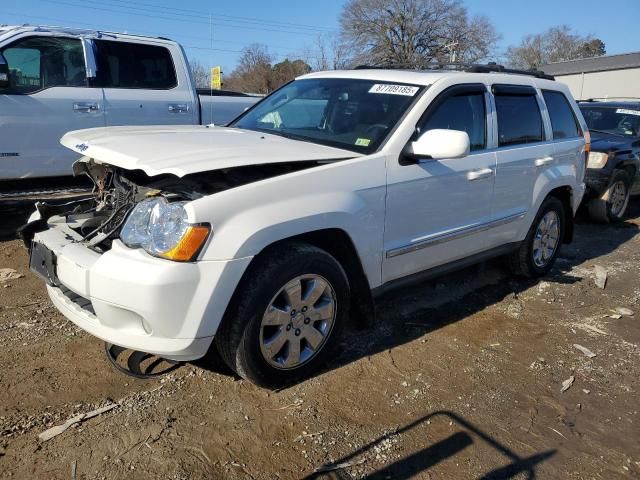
(439,144)
(4,73)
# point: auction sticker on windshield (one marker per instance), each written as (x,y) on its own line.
(388,89)
(625,111)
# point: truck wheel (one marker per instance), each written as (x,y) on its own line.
(286,316)
(537,253)
(611,206)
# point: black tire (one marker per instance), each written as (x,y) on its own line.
(603,209)
(522,261)
(239,336)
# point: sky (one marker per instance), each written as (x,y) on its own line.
(214,32)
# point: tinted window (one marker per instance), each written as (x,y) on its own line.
(347,113)
(519,120)
(133,65)
(36,63)
(461,112)
(563,120)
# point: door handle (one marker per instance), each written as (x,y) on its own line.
(85,107)
(478,174)
(178,108)
(540,162)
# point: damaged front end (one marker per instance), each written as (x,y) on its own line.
(98,220)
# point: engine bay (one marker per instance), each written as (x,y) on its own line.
(97,220)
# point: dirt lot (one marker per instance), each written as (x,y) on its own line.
(461,379)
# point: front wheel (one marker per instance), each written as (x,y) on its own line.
(537,253)
(611,206)
(286,316)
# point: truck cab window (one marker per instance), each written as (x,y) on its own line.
(134,65)
(36,63)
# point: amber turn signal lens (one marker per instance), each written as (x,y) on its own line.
(587,143)
(189,245)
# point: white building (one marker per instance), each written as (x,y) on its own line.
(609,76)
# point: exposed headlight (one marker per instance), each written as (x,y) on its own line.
(597,159)
(161,228)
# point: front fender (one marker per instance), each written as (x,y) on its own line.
(348,196)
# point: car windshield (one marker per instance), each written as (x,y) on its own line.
(352,114)
(617,120)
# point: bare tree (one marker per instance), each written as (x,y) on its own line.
(256,74)
(331,54)
(557,44)
(415,32)
(201,74)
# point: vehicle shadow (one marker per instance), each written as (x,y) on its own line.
(414,464)
(411,312)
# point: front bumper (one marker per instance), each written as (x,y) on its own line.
(131,299)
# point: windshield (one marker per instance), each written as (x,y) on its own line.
(616,120)
(352,114)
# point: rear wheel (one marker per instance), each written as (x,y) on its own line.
(537,253)
(611,206)
(286,316)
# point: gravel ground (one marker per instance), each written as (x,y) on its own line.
(462,378)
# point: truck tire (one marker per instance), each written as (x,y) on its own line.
(611,206)
(537,253)
(286,316)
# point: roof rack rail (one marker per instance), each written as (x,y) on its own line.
(490,67)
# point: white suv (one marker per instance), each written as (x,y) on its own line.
(264,238)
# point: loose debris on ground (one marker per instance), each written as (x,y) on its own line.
(465,376)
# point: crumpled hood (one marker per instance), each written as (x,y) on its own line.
(605,142)
(183,150)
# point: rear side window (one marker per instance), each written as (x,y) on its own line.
(563,121)
(133,65)
(461,112)
(36,63)
(519,120)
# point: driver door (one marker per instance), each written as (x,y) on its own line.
(438,210)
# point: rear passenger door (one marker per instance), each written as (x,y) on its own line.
(568,137)
(523,152)
(141,85)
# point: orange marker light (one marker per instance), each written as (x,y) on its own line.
(587,145)
(189,245)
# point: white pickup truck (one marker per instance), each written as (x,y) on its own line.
(53,80)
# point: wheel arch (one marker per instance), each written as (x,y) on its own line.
(338,244)
(565,195)
(631,169)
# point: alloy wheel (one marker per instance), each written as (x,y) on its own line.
(297,322)
(546,239)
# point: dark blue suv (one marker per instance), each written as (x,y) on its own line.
(613,170)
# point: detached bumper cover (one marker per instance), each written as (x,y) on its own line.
(129,298)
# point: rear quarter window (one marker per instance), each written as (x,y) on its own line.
(134,65)
(519,120)
(563,120)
